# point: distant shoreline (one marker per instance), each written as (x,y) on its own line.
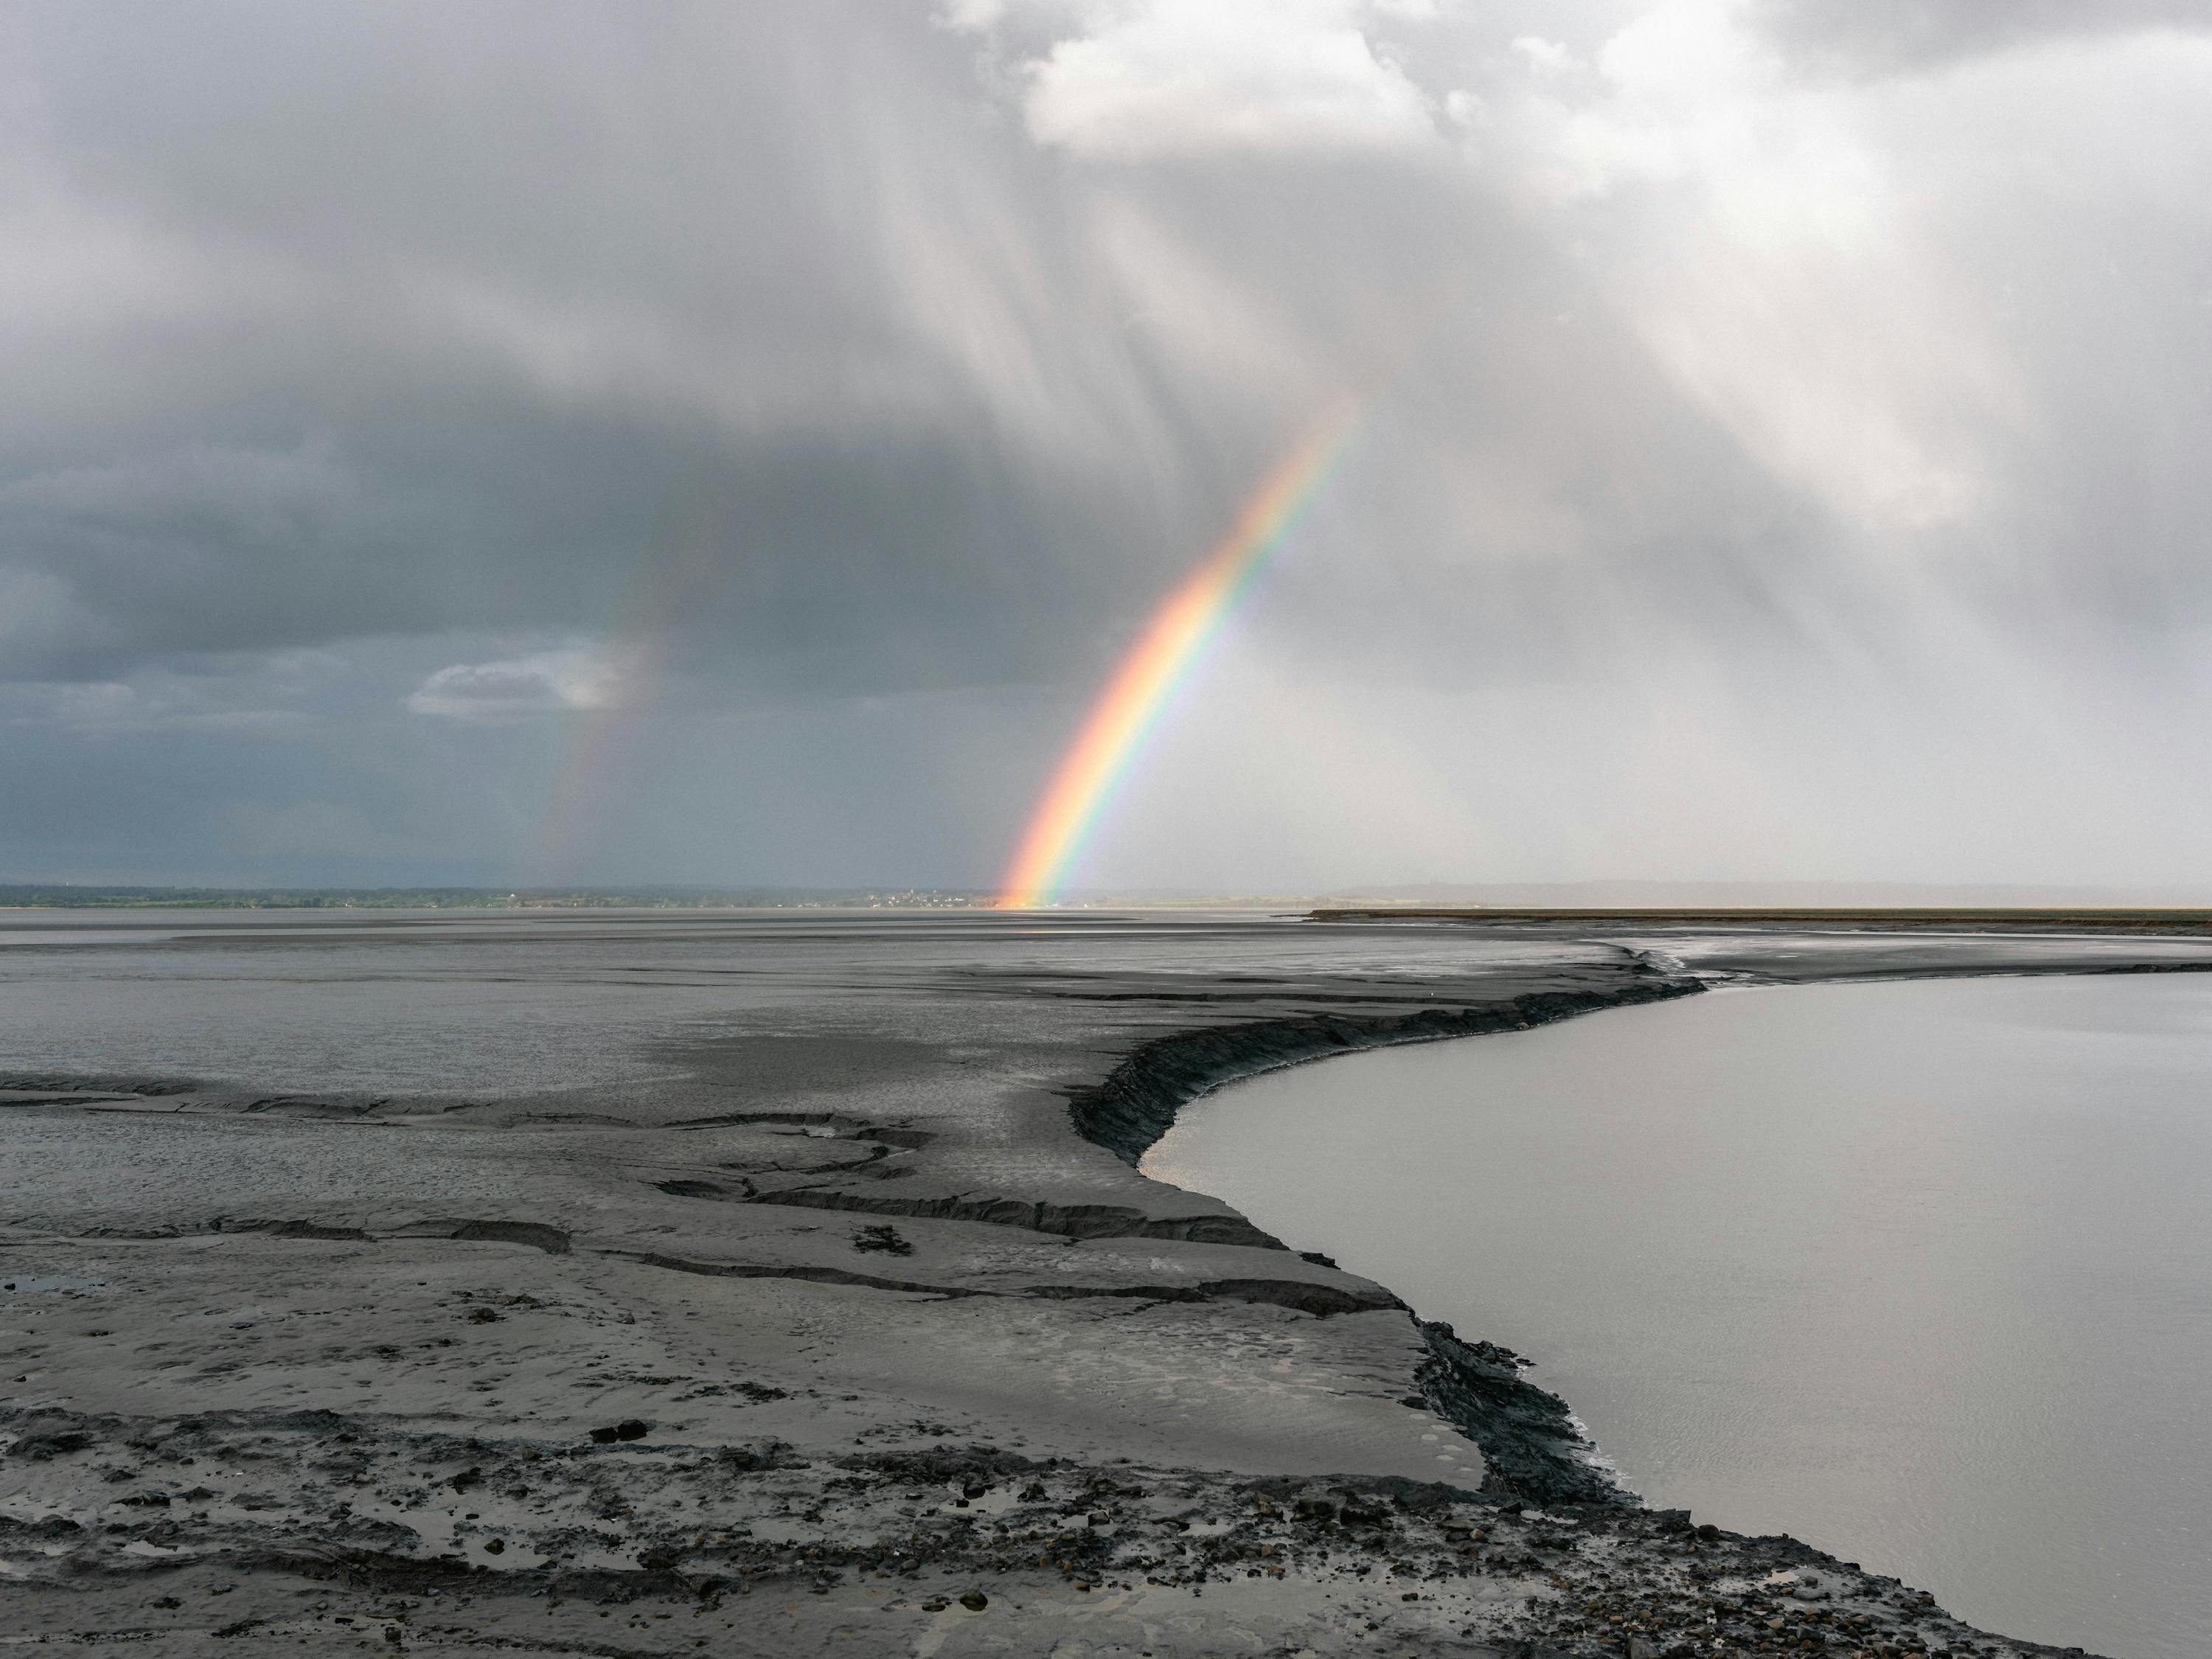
(1990,917)
(69,896)
(2068,919)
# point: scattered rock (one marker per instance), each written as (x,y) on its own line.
(764,1455)
(41,1444)
(885,1239)
(975,1600)
(628,1429)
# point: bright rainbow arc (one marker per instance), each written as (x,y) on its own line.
(1133,700)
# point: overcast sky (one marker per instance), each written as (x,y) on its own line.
(545,442)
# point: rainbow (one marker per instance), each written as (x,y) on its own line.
(1130,707)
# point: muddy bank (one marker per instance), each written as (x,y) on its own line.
(836,1321)
(443,1542)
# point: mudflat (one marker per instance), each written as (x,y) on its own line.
(846,1324)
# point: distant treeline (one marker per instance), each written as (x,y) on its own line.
(73,897)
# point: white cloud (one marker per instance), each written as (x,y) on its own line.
(516,688)
(1773,261)
(1198,313)
(1545,57)
(973,14)
(1144,79)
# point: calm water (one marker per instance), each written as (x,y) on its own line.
(1919,1273)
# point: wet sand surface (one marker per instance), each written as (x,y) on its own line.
(797,1293)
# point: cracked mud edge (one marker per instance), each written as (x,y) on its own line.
(1533,1448)
(617,1519)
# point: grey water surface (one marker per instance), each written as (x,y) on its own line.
(1920,1272)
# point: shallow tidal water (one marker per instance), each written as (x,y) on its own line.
(1920,1271)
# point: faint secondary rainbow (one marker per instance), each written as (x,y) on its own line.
(1129,708)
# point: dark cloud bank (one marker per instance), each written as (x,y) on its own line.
(730,443)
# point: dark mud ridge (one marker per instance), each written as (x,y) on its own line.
(1138,1102)
(1532,1448)
(1063,1220)
(1531,1444)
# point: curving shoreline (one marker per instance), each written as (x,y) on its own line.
(1137,1101)
(850,1265)
(1813,1259)
(1534,1446)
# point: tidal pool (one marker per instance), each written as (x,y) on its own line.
(1918,1271)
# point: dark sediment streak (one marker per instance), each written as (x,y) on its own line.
(1061,1220)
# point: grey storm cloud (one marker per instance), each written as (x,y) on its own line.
(362,321)
(1885,37)
(1765,405)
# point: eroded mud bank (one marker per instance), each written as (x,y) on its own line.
(827,1325)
